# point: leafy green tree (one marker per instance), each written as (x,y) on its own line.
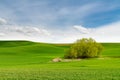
(84,48)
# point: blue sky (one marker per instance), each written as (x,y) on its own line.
(59,15)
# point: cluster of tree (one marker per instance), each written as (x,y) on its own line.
(84,48)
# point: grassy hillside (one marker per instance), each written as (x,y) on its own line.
(24,60)
(24,52)
(111,49)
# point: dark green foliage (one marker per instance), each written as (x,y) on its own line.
(84,48)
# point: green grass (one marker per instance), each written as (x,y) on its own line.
(24,60)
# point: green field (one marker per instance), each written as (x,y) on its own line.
(24,60)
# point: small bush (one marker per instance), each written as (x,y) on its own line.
(84,48)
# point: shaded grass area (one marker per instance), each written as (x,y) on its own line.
(24,60)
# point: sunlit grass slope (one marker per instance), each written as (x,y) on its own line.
(111,49)
(24,52)
(25,60)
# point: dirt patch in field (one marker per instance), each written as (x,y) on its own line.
(64,60)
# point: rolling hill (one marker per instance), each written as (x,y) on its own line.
(25,60)
(26,52)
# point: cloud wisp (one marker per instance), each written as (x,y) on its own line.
(82,29)
(2,21)
(26,30)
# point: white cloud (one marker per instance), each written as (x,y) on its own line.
(26,30)
(2,21)
(16,32)
(46,32)
(82,29)
(106,33)
(13,32)
(2,34)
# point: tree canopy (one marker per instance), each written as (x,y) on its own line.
(84,48)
